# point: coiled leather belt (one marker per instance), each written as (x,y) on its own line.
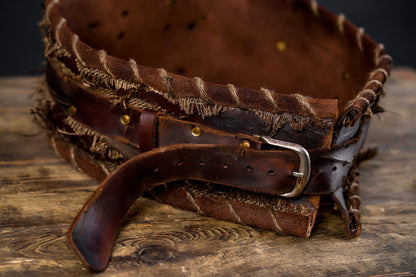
(158,126)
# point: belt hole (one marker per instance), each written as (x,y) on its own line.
(124,13)
(249,169)
(92,26)
(271,172)
(120,35)
(166,27)
(180,163)
(334,168)
(191,25)
(181,71)
(225,166)
(171,4)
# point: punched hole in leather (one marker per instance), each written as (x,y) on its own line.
(93,231)
(207,126)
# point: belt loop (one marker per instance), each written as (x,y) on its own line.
(147,130)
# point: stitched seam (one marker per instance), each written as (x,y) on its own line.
(233,92)
(378,70)
(135,70)
(269,97)
(360,34)
(305,103)
(192,200)
(201,88)
(165,79)
(75,40)
(58,31)
(105,170)
(340,23)
(314,7)
(102,54)
(376,82)
(274,219)
(48,10)
(236,217)
(73,160)
(93,78)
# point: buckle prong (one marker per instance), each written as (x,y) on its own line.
(304,172)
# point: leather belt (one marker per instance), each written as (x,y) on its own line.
(164,128)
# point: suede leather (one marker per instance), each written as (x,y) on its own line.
(212,78)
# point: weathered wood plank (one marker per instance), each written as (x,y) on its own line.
(40,194)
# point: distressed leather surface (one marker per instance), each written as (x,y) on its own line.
(134,80)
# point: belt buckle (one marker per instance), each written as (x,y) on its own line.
(304,172)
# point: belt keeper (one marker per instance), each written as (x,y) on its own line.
(147,130)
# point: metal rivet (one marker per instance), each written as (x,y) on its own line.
(345,76)
(245,143)
(125,119)
(72,110)
(196,131)
(281,46)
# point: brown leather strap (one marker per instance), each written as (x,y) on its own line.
(329,167)
(93,232)
(168,127)
(147,127)
(258,168)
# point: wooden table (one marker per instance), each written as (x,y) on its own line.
(40,194)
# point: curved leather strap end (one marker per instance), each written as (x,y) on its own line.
(93,231)
(352,221)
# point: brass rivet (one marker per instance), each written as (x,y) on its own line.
(345,76)
(72,110)
(125,119)
(245,143)
(281,46)
(196,131)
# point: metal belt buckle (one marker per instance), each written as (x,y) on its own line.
(304,172)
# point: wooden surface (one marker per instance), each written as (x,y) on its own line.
(40,194)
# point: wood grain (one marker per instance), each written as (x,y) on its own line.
(40,194)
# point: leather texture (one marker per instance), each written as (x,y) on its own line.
(309,77)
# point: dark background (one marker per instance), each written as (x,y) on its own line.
(389,22)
